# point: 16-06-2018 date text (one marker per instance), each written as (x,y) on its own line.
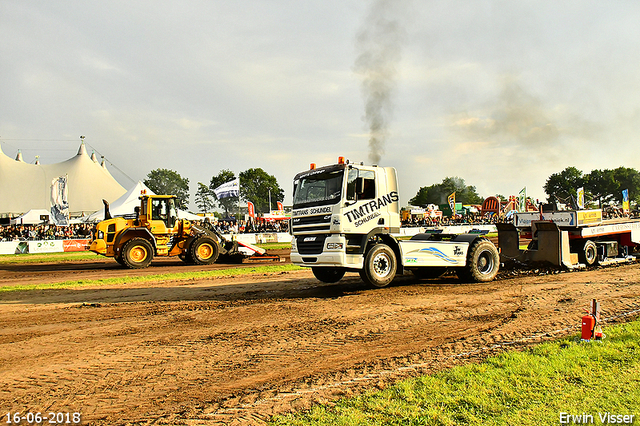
(50,418)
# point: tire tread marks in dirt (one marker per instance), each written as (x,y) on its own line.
(238,350)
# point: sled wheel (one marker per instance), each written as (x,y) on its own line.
(379,266)
(137,253)
(589,253)
(328,275)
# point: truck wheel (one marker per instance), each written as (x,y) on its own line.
(119,258)
(328,275)
(589,253)
(204,250)
(483,262)
(137,253)
(379,266)
(426,273)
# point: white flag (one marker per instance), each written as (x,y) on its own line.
(229,189)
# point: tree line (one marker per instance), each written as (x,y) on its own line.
(601,187)
(256,186)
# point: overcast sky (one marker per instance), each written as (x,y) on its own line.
(499,93)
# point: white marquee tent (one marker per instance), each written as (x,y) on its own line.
(26,186)
(32,217)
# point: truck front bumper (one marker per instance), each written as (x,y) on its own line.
(333,255)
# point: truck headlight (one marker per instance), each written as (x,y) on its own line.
(334,246)
(100,235)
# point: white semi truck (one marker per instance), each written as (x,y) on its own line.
(344,219)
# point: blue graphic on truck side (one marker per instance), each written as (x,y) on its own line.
(437,253)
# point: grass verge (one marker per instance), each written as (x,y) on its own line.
(181,276)
(531,387)
(87,255)
(48,257)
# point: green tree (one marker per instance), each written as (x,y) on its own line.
(600,185)
(204,201)
(438,193)
(229,204)
(256,185)
(168,182)
(560,187)
(627,179)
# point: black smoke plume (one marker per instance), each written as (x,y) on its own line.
(379,46)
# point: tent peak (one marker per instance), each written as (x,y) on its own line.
(19,157)
(83,149)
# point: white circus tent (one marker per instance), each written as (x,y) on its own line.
(24,186)
(32,217)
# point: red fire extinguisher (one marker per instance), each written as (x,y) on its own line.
(588,327)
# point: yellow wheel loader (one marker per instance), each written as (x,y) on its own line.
(156,230)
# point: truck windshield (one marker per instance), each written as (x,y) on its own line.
(318,189)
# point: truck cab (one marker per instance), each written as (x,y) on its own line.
(337,209)
(343,219)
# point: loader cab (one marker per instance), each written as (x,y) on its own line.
(160,212)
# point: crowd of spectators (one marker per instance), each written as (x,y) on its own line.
(468,219)
(80,231)
(44,232)
(251,226)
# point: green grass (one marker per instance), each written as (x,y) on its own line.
(87,255)
(180,276)
(48,257)
(531,387)
(274,246)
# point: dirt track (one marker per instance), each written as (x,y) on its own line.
(235,351)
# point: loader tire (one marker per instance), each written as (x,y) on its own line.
(119,259)
(328,275)
(204,250)
(137,253)
(380,266)
(483,262)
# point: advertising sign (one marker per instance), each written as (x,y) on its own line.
(569,218)
(75,245)
(47,246)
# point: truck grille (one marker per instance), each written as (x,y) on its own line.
(311,223)
(310,244)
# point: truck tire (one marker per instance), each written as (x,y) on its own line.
(328,275)
(426,273)
(203,250)
(589,253)
(137,253)
(380,266)
(483,262)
